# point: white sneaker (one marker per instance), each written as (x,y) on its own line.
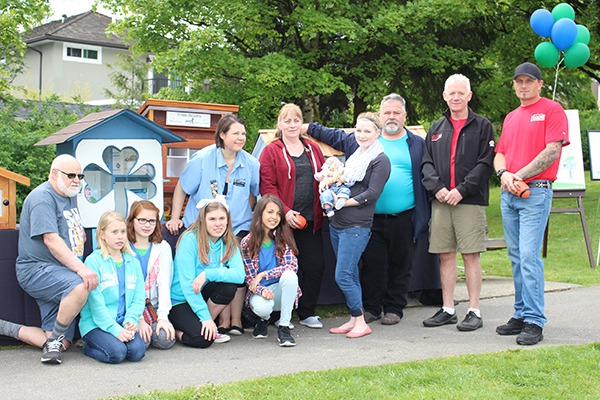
(277,324)
(222,338)
(314,321)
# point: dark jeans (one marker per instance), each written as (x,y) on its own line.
(387,264)
(184,319)
(311,266)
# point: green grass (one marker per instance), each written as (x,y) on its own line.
(562,372)
(567,259)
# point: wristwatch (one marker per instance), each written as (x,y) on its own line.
(500,172)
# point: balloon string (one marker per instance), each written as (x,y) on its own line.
(556,79)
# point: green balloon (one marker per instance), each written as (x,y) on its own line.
(563,10)
(583,35)
(577,55)
(546,54)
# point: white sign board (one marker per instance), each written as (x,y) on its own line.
(195,120)
(571,175)
(117,173)
(594,142)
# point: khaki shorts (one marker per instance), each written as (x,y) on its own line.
(457,229)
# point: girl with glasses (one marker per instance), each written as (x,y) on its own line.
(156,260)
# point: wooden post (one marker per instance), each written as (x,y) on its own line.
(579,195)
(8,192)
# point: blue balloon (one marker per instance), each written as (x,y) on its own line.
(564,33)
(541,22)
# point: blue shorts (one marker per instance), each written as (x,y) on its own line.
(49,285)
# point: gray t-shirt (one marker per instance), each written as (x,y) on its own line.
(46,211)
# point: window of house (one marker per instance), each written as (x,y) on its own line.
(82,53)
(177,159)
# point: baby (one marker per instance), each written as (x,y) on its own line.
(332,188)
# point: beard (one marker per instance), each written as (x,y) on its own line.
(68,191)
(391,128)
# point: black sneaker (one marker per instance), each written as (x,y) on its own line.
(530,335)
(440,318)
(514,326)
(284,337)
(470,323)
(51,350)
(261,330)
(371,317)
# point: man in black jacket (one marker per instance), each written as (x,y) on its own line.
(457,166)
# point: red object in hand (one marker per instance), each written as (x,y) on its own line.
(301,221)
(522,189)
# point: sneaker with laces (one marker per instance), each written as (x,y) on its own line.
(277,324)
(284,337)
(530,335)
(51,351)
(470,323)
(440,318)
(314,321)
(514,326)
(222,338)
(371,317)
(261,330)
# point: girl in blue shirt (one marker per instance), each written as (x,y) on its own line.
(109,319)
(271,268)
(208,270)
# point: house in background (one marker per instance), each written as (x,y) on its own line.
(70,57)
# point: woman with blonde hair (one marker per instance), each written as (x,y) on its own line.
(287,169)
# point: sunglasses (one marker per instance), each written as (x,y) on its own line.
(72,175)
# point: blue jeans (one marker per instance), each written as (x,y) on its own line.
(106,348)
(524,222)
(284,292)
(348,245)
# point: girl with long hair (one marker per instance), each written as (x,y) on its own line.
(156,261)
(109,320)
(208,271)
(271,268)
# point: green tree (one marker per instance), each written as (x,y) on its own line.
(339,57)
(16,16)
(129,76)
(24,123)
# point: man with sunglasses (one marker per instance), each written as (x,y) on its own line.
(49,266)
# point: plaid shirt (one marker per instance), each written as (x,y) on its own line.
(289,261)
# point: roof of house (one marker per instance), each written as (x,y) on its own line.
(86,28)
(91,120)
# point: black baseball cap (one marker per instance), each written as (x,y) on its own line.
(529,69)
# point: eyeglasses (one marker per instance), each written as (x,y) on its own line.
(71,175)
(145,221)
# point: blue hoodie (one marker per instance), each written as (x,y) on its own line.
(188,266)
(100,310)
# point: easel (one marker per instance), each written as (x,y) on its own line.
(579,194)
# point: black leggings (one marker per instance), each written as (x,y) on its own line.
(186,320)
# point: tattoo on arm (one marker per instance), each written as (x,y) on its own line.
(542,161)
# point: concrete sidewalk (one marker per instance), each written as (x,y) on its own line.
(22,376)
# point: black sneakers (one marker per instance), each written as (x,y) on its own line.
(284,337)
(530,335)
(371,317)
(514,326)
(440,318)
(51,350)
(261,330)
(470,323)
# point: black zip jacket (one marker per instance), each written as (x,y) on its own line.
(473,162)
